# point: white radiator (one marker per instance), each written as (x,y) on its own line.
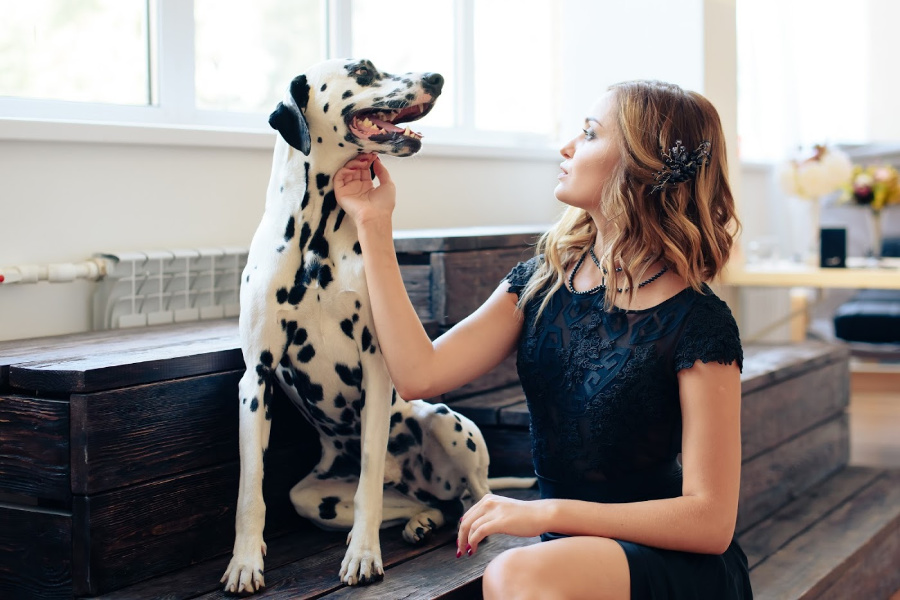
(152,288)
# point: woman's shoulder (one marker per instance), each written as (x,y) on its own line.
(710,332)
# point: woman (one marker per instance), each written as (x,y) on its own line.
(626,357)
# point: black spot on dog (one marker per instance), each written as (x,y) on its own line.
(341,144)
(346,95)
(366,338)
(335,127)
(358,305)
(319,244)
(338,444)
(325,108)
(247,279)
(427,470)
(407,473)
(393,395)
(401,444)
(395,418)
(442,410)
(415,429)
(339,220)
(322,180)
(300,336)
(266,358)
(281,295)
(340,401)
(347,109)
(306,354)
(300,91)
(355,317)
(308,390)
(324,87)
(325,276)
(327,508)
(402,487)
(305,232)
(447,485)
(347,415)
(254,404)
(351,377)
(397,104)
(357,248)
(454,442)
(458,427)
(306,179)
(319,140)
(279,249)
(410,97)
(281,190)
(471,445)
(347,328)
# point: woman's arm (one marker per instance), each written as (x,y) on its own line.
(702,520)
(418,367)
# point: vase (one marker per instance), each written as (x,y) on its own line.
(875,250)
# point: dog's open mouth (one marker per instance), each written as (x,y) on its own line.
(382,125)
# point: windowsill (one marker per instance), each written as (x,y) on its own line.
(35,130)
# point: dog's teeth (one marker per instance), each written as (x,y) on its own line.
(407,132)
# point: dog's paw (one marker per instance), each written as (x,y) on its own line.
(420,526)
(362,563)
(244,574)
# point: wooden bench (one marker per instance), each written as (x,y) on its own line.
(119,463)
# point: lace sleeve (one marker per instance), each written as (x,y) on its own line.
(520,275)
(710,334)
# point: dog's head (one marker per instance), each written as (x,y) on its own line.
(351,104)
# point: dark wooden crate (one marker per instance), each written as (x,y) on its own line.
(121,447)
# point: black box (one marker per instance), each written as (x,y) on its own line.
(833,247)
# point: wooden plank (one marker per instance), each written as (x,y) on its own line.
(130,435)
(34,448)
(203,578)
(774,532)
(800,402)
(65,347)
(417,280)
(501,376)
(766,364)
(484,409)
(466,238)
(830,550)
(516,415)
(471,277)
(773,478)
(35,553)
(131,534)
(94,372)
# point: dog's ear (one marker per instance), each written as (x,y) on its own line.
(290,123)
(292,126)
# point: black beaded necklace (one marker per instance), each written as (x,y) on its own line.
(602,285)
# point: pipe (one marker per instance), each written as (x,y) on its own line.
(92,269)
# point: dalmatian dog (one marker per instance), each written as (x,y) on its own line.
(306,326)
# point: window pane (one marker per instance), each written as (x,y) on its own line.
(515,65)
(247,51)
(400,37)
(75,50)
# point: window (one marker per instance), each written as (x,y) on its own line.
(225,63)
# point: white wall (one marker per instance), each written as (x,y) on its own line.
(65,201)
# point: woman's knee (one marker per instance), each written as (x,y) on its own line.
(509,576)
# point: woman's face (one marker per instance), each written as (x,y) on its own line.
(590,158)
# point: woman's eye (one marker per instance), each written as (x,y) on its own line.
(588,134)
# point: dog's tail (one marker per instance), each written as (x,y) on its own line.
(511,483)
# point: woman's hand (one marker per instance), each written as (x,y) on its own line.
(499,514)
(356,192)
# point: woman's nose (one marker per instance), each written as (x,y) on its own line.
(567,150)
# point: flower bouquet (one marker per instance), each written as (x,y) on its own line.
(811,177)
(875,187)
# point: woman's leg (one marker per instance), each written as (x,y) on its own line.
(570,568)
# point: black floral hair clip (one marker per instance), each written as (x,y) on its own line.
(680,166)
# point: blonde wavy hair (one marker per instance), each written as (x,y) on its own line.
(690,226)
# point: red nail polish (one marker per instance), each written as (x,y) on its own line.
(469,550)
(458,553)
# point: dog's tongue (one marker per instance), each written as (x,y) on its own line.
(386,125)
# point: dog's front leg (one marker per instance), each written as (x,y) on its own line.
(362,562)
(245,571)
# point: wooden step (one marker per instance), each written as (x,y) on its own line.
(840,539)
(305,564)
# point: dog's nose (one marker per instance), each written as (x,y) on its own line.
(433,82)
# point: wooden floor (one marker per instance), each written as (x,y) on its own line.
(875,419)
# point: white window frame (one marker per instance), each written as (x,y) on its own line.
(173,119)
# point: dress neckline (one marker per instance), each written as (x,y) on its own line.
(615,309)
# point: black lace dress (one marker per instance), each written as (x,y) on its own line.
(602,390)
